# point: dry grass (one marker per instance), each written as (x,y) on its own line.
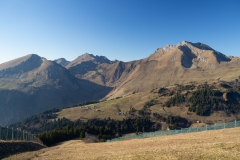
(221,144)
(107,108)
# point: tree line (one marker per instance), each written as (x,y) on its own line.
(103,128)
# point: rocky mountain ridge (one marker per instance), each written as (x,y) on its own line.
(167,65)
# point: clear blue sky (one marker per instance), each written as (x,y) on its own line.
(118,29)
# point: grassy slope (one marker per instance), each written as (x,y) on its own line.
(220,144)
(109,108)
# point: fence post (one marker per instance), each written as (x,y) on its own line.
(235,123)
(224,125)
(214,126)
(206,127)
(7,133)
(12,134)
(197,128)
(0,132)
(18,134)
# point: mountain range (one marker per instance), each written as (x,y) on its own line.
(171,64)
(32,84)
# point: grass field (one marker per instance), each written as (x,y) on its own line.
(220,144)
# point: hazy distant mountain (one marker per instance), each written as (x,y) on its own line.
(62,61)
(32,84)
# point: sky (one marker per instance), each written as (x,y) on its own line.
(125,30)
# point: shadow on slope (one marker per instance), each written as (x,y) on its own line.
(17,105)
(10,148)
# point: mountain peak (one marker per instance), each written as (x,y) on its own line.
(186,43)
(192,54)
(18,61)
(88,58)
(62,61)
(198,45)
(22,64)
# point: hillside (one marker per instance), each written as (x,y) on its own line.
(31,84)
(10,148)
(173,107)
(219,144)
(164,102)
